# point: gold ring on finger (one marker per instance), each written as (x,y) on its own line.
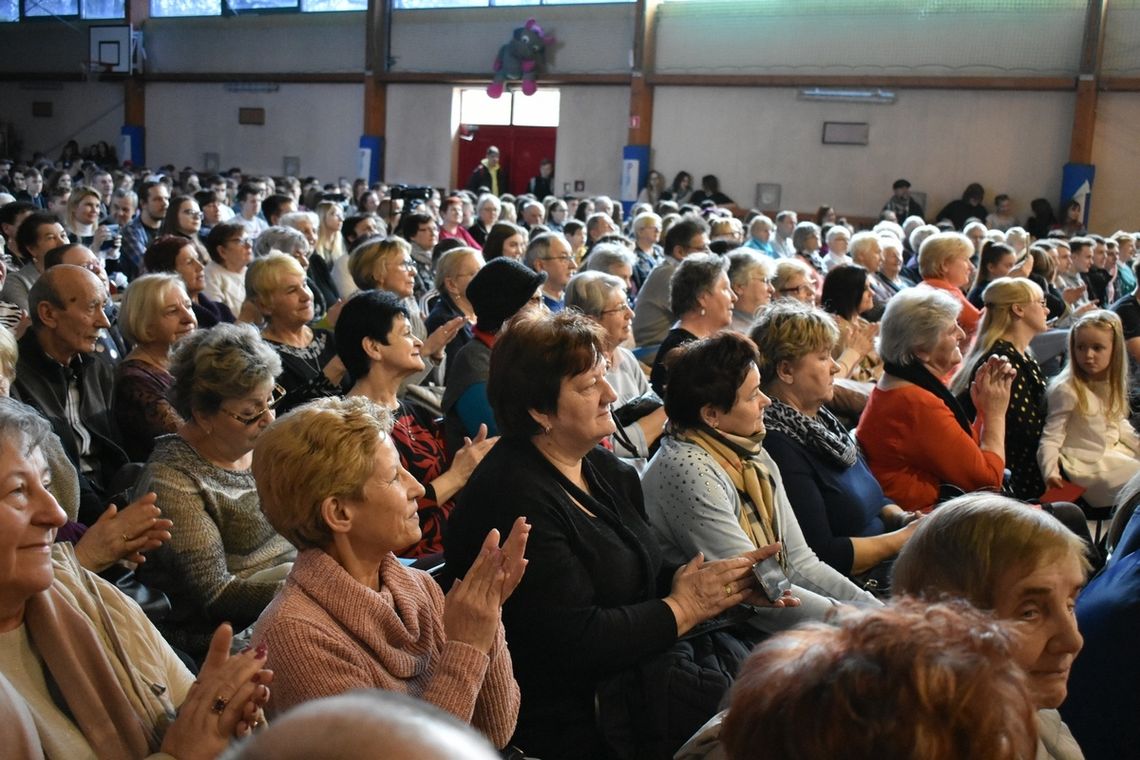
(728,589)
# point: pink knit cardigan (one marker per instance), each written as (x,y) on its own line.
(328,634)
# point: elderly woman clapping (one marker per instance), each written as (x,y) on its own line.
(712,488)
(85,674)
(915,434)
(602,297)
(351,615)
(597,598)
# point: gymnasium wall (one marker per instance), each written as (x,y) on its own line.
(1010,141)
(940,140)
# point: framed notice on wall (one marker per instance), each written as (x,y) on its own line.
(846,132)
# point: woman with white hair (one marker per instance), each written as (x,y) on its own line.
(603,298)
(614,259)
(750,275)
(760,231)
(914,433)
(838,244)
(487,210)
(944,262)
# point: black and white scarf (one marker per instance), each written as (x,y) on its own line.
(824,434)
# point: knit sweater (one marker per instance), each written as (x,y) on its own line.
(328,634)
(224,562)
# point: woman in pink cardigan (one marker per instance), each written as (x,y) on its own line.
(351,615)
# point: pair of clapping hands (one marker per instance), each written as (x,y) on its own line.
(124,533)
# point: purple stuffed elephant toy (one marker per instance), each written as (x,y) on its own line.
(521,58)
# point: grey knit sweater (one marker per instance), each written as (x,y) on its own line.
(224,562)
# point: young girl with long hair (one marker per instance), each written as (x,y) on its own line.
(1015,313)
(1087,433)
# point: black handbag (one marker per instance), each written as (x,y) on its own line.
(650,710)
(155,604)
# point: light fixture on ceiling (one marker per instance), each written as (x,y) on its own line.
(876,96)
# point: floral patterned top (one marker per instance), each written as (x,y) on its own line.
(302,370)
(142,409)
(418,436)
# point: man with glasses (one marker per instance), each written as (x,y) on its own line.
(652,316)
(550,253)
(59,376)
(142,231)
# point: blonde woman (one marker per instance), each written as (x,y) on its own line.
(156,312)
(1015,313)
(330,243)
(83,224)
(310,367)
(944,262)
(388,265)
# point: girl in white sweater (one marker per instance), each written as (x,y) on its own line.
(1087,433)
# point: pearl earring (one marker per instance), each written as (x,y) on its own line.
(702,312)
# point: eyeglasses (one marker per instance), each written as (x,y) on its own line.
(274,400)
(618,310)
(244,241)
(408,264)
(557,258)
(192,214)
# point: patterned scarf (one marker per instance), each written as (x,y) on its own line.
(737,456)
(823,435)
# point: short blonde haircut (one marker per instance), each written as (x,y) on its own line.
(324,448)
(9,354)
(264,276)
(760,220)
(450,261)
(143,303)
(364,258)
(939,250)
(786,270)
(787,331)
(721,227)
(644,220)
(970,544)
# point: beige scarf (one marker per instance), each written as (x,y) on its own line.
(79,665)
(737,456)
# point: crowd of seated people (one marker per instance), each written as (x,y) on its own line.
(268,403)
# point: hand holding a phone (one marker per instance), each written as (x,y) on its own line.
(702,590)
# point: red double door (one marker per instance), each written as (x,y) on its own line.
(520,149)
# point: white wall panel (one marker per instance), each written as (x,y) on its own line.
(319,123)
(940,140)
